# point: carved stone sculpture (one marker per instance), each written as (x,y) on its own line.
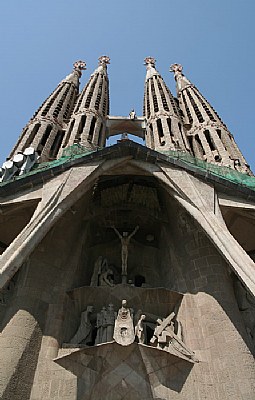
(100,324)
(105,324)
(139,329)
(100,266)
(106,278)
(84,332)
(132,114)
(109,323)
(165,338)
(125,239)
(124,328)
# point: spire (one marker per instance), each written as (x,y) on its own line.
(150,67)
(164,129)
(88,122)
(208,136)
(45,130)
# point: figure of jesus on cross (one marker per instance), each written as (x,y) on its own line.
(125,239)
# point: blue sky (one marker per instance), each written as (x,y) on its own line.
(214,40)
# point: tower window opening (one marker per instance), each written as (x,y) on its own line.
(91,129)
(80,127)
(56,144)
(161,133)
(70,105)
(99,95)
(187,109)
(154,97)
(81,97)
(66,111)
(44,138)
(32,135)
(172,101)
(206,108)
(148,103)
(224,137)
(218,133)
(181,132)
(51,101)
(195,108)
(163,97)
(209,139)
(69,133)
(100,135)
(169,124)
(144,100)
(91,91)
(61,102)
(104,106)
(199,145)
(190,140)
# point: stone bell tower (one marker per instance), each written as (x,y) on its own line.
(126,271)
(208,136)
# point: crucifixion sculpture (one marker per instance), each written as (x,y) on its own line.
(125,239)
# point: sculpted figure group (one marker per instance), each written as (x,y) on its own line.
(125,328)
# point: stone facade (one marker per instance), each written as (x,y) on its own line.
(124,275)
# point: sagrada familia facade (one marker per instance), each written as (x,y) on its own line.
(127,271)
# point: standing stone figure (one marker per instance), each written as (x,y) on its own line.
(109,323)
(139,329)
(125,239)
(101,323)
(132,114)
(84,332)
(100,265)
(124,328)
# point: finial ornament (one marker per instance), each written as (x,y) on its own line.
(150,61)
(79,66)
(181,80)
(103,60)
(176,68)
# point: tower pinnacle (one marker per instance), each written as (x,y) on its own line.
(164,130)
(103,60)
(150,61)
(79,66)
(181,80)
(45,131)
(150,67)
(208,136)
(88,121)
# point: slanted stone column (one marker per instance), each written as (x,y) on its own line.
(20,342)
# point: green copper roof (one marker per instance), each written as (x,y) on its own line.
(77,151)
